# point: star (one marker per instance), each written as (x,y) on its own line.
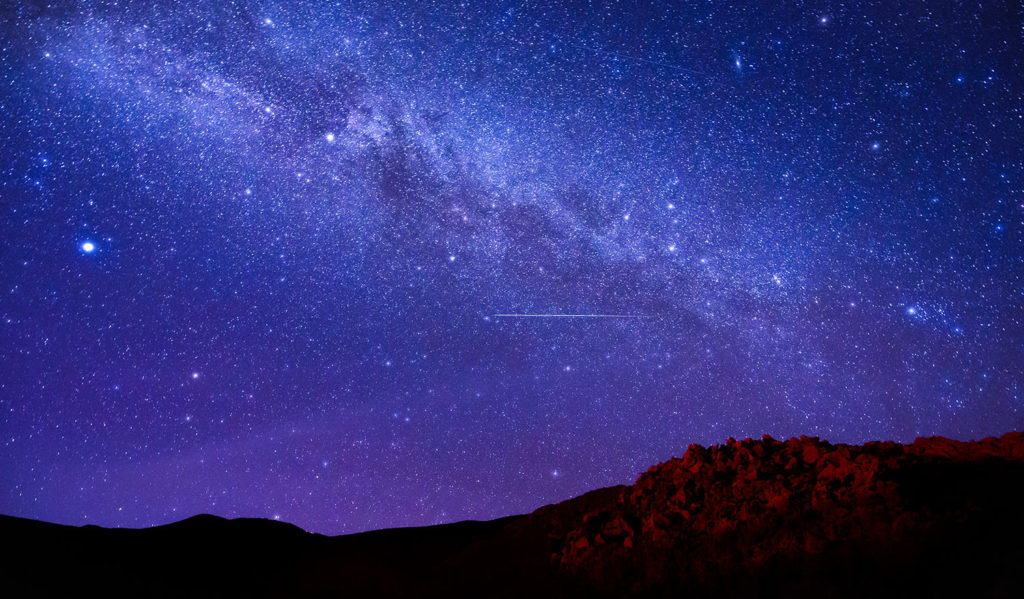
(88,247)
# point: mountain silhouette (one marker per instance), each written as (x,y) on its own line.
(753,518)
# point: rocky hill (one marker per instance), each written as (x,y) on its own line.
(802,510)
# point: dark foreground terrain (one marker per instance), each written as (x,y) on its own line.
(801,518)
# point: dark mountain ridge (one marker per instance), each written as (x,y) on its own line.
(753,518)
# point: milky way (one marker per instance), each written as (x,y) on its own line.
(254,253)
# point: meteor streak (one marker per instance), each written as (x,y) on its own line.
(569,316)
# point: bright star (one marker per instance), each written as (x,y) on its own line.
(330,138)
(88,247)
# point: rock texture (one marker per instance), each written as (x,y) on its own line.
(753,507)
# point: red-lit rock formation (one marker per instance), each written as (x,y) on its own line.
(747,507)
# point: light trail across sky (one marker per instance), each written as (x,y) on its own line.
(569,316)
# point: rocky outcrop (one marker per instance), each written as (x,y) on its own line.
(753,506)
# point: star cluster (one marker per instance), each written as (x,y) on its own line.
(257,255)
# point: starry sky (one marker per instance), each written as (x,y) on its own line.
(271,259)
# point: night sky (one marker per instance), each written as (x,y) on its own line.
(255,256)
